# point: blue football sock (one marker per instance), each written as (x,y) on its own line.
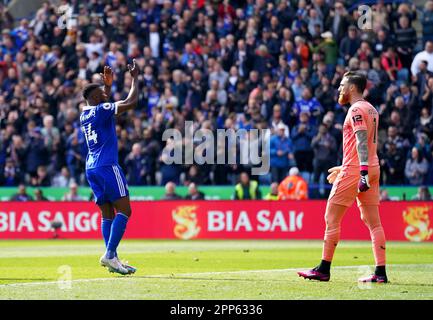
(117,230)
(106,229)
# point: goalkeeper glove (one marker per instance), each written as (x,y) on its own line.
(363,184)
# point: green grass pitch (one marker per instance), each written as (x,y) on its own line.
(208,270)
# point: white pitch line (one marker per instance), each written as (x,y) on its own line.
(175,276)
(289,269)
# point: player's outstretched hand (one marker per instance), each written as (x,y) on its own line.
(133,70)
(333,173)
(107,76)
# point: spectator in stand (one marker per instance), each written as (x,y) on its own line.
(169,171)
(425,55)
(73,195)
(293,187)
(325,94)
(63,179)
(179,87)
(168,100)
(309,104)
(136,166)
(333,128)
(216,93)
(383,195)
(22,194)
(329,49)
(381,43)
(302,50)
(39,195)
(42,178)
(37,152)
(51,134)
(247,189)
(338,20)
(277,120)
(422,77)
(394,137)
(193,175)
(170,192)
(350,44)
(427,22)
(302,135)
(392,164)
(325,148)
(194,193)
(273,193)
(424,124)
(11,175)
(393,66)
(422,143)
(416,168)
(151,149)
(281,154)
(423,194)
(405,41)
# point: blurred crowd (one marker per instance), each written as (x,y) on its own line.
(222,64)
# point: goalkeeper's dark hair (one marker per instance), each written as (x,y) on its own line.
(357,79)
(89,88)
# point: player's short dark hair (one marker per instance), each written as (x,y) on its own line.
(89,88)
(358,79)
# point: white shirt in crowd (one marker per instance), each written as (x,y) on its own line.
(423,55)
(154,43)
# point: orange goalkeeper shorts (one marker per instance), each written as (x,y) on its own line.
(345,188)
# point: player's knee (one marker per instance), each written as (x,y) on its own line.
(373,225)
(370,218)
(330,220)
(127,212)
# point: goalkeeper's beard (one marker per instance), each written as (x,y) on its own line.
(343,99)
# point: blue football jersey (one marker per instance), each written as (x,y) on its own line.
(99,127)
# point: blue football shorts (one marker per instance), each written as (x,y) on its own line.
(108,183)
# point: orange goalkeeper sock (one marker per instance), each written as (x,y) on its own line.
(332,236)
(378,243)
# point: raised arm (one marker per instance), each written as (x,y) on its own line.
(131,100)
(107,78)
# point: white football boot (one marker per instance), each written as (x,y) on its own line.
(131,269)
(113,265)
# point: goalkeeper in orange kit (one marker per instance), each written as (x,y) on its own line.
(357,178)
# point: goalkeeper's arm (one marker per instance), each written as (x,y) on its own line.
(362,149)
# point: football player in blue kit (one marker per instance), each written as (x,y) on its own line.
(105,176)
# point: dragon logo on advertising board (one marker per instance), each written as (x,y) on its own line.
(418,223)
(186,222)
